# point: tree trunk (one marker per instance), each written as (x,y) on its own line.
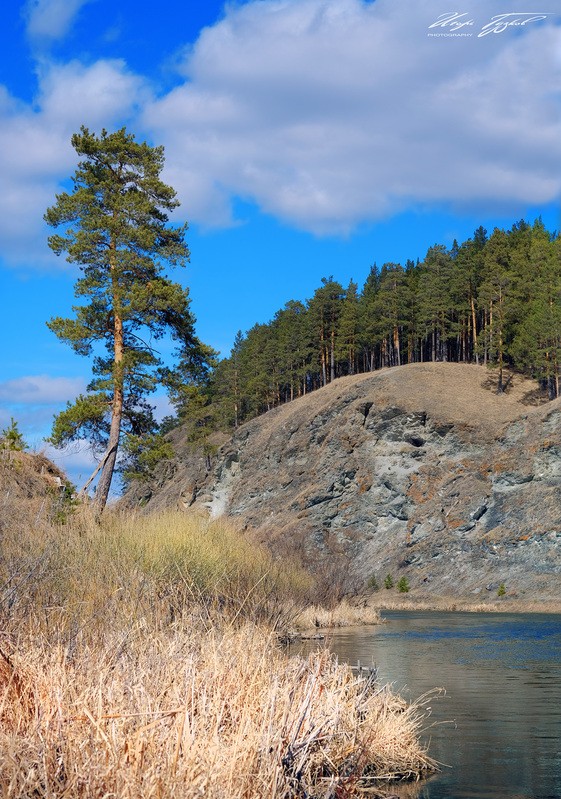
(236,395)
(500,385)
(474,330)
(104,483)
(486,339)
(384,353)
(110,457)
(323,361)
(396,346)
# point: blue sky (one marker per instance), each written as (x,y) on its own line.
(305,138)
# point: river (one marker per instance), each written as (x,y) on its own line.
(497,728)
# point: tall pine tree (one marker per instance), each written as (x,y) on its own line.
(114,225)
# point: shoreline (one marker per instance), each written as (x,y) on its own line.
(464,605)
(370,613)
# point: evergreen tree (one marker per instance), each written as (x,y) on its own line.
(469,263)
(391,308)
(325,308)
(226,380)
(537,339)
(114,225)
(435,301)
(367,319)
(11,438)
(348,334)
(258,371)
(496,299)
(291,328)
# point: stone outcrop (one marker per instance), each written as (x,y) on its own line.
(420,471)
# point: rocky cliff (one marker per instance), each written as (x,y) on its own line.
(420,471)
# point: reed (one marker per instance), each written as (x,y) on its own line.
(217,712)
(343,614)
(72,578)
(139,658)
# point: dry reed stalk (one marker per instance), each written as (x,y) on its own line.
(223,713)
(17,695)
(136,669)
(343,614)
(458,604)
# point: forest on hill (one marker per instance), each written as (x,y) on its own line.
(493,300)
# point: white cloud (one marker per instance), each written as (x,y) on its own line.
(35,150)
(40,390)
(77,459)
(162,406)
(51,19)
(33,400)
(101,94)
(328,113)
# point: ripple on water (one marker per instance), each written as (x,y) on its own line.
(499,724)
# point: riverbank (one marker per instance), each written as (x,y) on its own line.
(343,614)
(496,725)
(139,657)
(315,621)
(190,712)
(462,604)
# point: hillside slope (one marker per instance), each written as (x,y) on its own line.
(420,471)
(33,491)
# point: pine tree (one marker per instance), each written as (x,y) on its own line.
(537,339)
(114,225)
(227,388)
(496,298)
(325,308)
(367,319)
(467,280)
(435,301)
(291,330)
(391,309)
(348,330)
(11,438)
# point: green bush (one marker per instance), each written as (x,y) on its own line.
(501,591)
(372,583)
(388,582)
(11,438)
(403,585)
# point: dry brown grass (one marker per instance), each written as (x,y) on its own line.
(71,579)
(219,713)
(343,614)
(140,658)
(460,604)
(455,389)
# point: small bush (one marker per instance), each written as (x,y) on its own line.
(11,438)
(501,591)
(372,583)
(403,585)
(388,582)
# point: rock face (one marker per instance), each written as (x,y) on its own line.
(419,471)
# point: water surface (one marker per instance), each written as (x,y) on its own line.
(498,727)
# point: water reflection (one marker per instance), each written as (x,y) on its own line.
(498,727)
